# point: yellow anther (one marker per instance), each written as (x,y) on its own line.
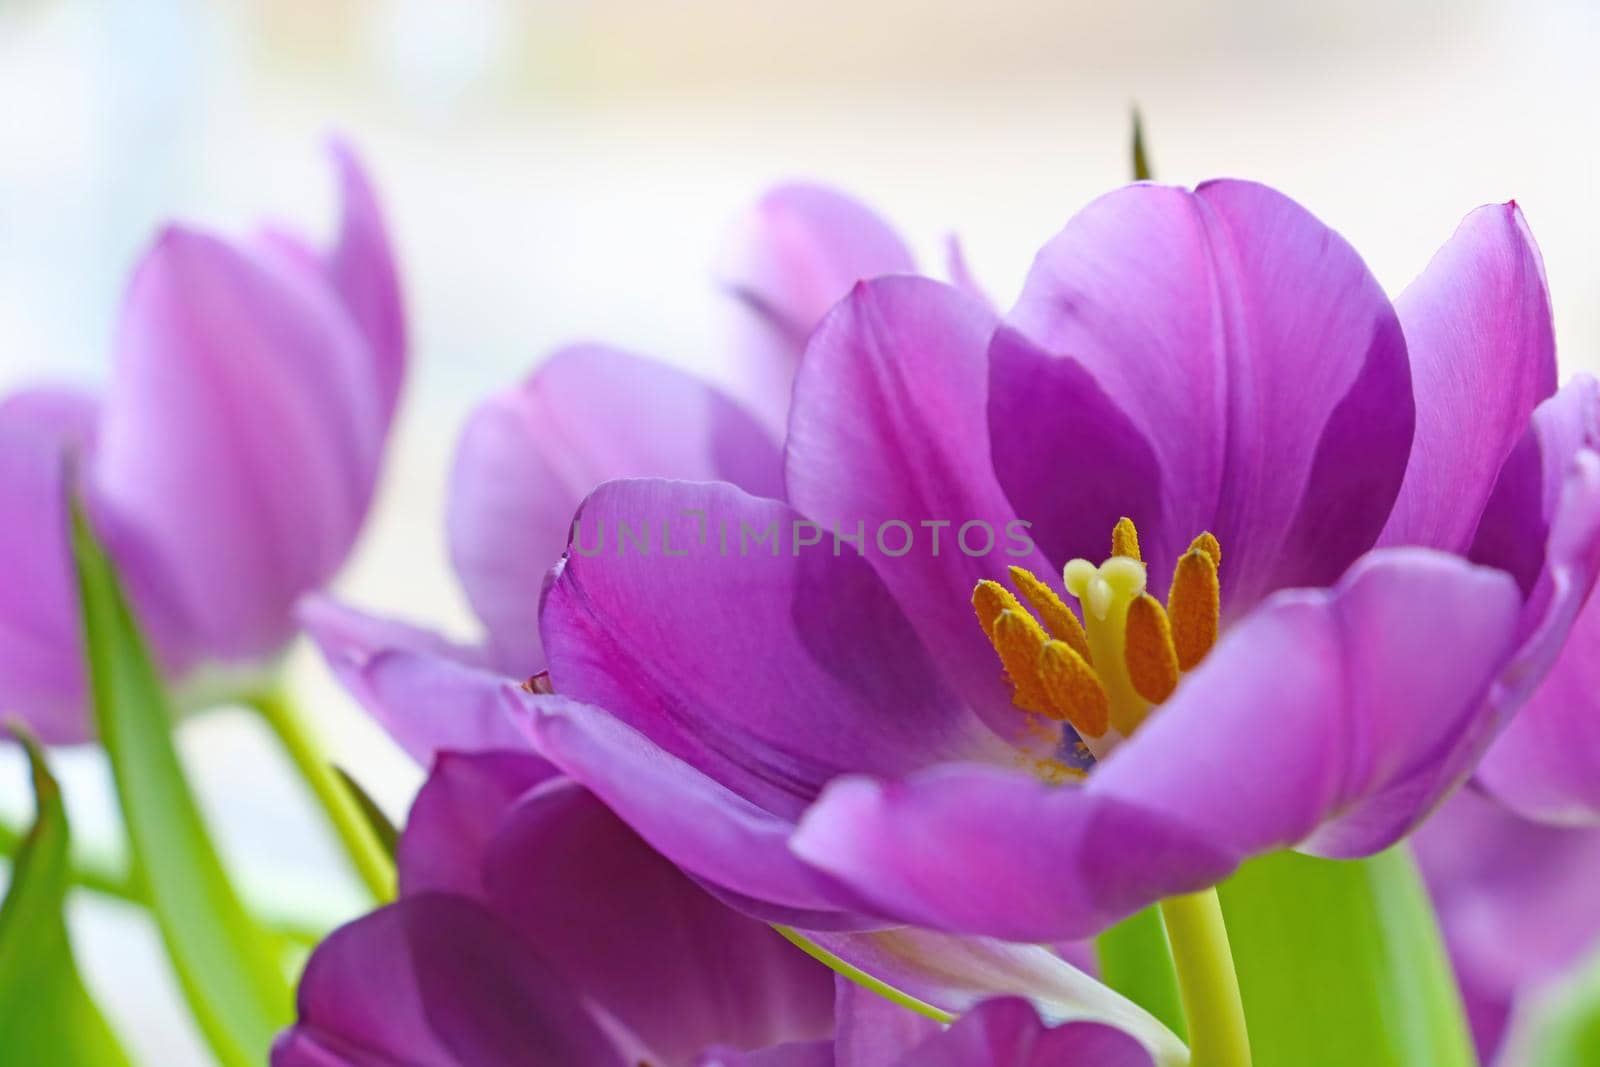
(1019,639)
(989,599)
(1152,661)
(1056,616)
(1210,546)
(1125,539)
(1074,690)
(1195,603)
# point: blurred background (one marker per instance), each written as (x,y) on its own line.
(558,169)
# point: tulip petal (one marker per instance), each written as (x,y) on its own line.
(1543,524)
(1515,900)
(429,694)
(435,981)
(456,814)
(772,667)
(362,268)
(1477,325)
(890,426)
(788,260)
(711,832)
(530,455)
(1037,862)
(1008,1031)
(616,920)
(41,657)
(239,434)
(1251,347)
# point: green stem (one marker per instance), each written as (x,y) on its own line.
(355,833)
(862,978)
(103,880)
(1207,984)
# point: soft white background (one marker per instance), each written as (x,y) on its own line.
(558,170)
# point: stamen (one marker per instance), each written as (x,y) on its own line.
(1059,619)
(1152,661)
(989,599)
(1195,603)
(1210,546)
(1074,690)
(1019,639)
(1125,539)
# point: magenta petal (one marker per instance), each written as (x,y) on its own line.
(1250,345)
(772,667)
(429,694)
(1007,1032)
(1477,324)
(239,435)
(676,968)
(890,425)
(362,269)
(693,820)
(788,260)
(531,454)
(457,812)
(1516,901)
(1328,705)
(41,658)
(871,1030)
(1038,862)
(1543,523)
(435,981)
(794,1054)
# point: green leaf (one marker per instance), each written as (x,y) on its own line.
(1141,158)
(382,829)
(46,1014)
(1136,961)
(227,965)
(1341,963)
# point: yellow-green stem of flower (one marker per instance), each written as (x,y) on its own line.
(1207,983)
(355,833)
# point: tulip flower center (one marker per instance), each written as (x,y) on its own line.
(1104,673)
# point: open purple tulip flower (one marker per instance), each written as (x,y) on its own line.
(1358,533)
(534,927)
(228,466)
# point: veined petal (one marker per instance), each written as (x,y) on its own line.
(697,822)
(430,694)
(890,426)
(709,624)
(435,981)
(677,969)
(530,455)
(1037,862)
(457,813)
(1477,325)
(1543,524)
(41,658)
(1007,1031)
(1515,900)
(1251,347)
(361,266)
(788,260)
(239,435)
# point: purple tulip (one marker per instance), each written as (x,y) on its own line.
(228,466)
(1382,516)
(534,927)
(1516,901)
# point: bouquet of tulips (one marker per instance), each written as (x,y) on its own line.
(1186,660)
